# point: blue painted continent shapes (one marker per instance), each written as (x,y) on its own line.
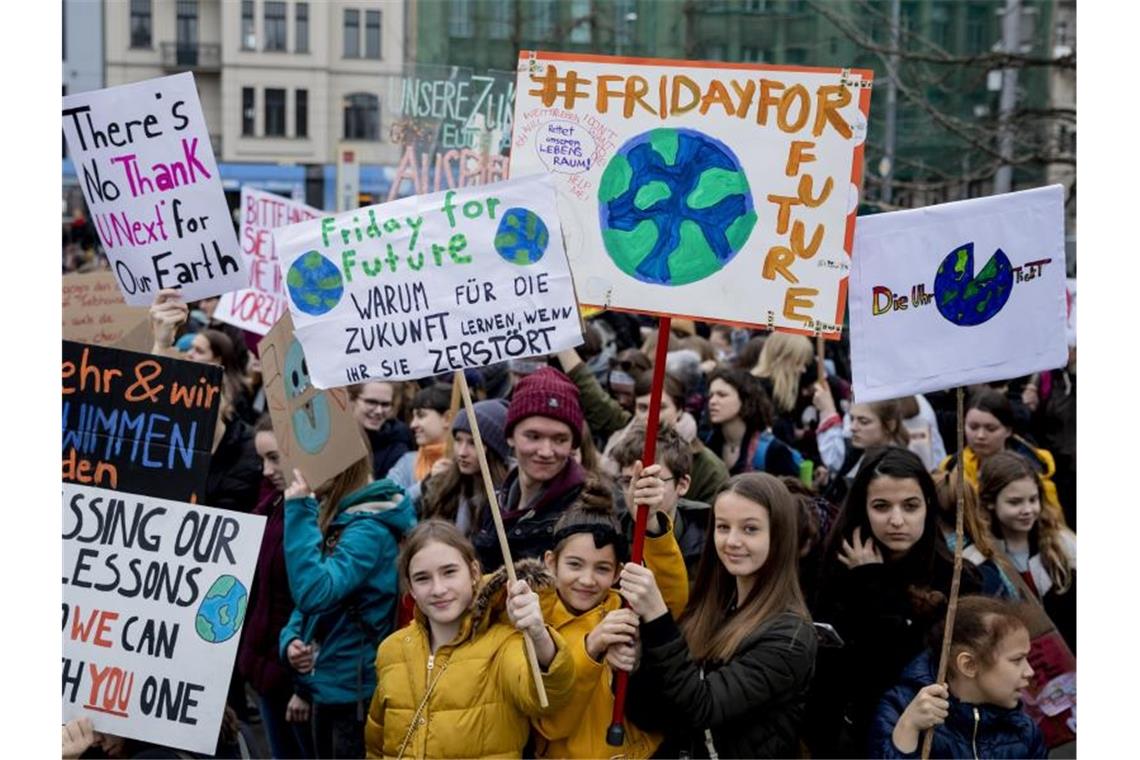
(522,237)
(315,284)
(674,206)
(966,299)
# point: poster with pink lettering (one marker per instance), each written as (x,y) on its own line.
(259,305)
(143,158)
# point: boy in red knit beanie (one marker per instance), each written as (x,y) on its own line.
(544,425)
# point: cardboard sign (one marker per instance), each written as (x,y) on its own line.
(154,597)
(430,284)
(143,158)
(138,423)
(965,292)
(258,307)
(454,126)
(94,312)
(315,430)
(714,191)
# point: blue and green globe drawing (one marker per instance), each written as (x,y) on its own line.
(222,610)
(674,206)
(314,283)
(966,299)
(522,236)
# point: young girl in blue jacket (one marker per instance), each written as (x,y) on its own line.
(977,712)
(341,545)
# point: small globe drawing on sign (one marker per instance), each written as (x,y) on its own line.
(966,299)
(315,284)
(522,237)
(222,610)
(674,206)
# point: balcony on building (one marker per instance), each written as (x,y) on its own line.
(181,56)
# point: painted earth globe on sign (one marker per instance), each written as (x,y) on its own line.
(966,299)
(674,206)
(315,284)
(222,610)
(522,236)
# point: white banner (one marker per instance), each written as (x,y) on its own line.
(965,292)
(154,597)
(430,284)
(724,192)
(143,158)
(258,307)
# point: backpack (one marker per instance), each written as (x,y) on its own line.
(760,457)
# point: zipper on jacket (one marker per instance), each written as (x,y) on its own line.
(431,664)
(974,741)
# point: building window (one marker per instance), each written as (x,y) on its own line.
(361,116)
(461,20)
(502,19)
(795,56)
(625,17)
(186,31)
(714,51)
(372,34)
(750,55)
(274,112)
(248,112)
(301,114)
(248,33)
(275,33)
(581,20)
(302,30)
(140,23)
(351,33)
(542,19)
(976,36)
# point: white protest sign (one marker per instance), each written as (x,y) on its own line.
(702,190)
(430,284)
(258,307)
(965,292)
(154,597)
(143,157)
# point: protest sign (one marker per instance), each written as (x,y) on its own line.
(143,157)
(702,190)
(430,284)
(454,126)
(258,306)
(138,423)
(94,312)
(154,597)
(316,431)
(965,292)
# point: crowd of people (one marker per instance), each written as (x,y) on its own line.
(797,565)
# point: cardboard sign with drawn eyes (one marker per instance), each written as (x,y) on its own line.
(316,432)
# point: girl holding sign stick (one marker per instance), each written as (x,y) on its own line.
(340,552)
(885,578)
(977,712)
(455,682)
(600,634)
(731,679)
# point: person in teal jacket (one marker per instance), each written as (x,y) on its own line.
(340,554)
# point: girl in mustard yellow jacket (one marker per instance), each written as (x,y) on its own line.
(455,682)
(600,635)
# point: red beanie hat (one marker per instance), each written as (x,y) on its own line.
(546,393)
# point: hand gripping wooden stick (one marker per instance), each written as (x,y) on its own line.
(493,500)
(952,607)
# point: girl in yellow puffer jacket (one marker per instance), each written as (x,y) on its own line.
(600,634)
(455,682)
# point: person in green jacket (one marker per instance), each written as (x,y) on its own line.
(341,545)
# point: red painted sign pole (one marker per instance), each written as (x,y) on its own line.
(615,735)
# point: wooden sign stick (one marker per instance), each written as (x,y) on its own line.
(821,365)
(453,409)
(959,539)
(493,500)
